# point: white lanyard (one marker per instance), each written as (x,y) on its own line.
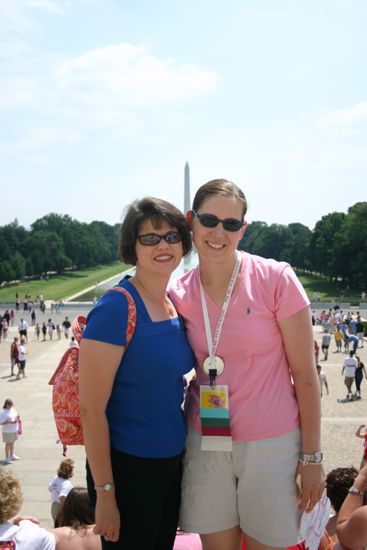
(213,344)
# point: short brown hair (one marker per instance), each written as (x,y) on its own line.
(157,211)
(66,468)
(76,511)
(11,497)
(220,187)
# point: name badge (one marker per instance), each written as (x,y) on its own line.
(214,415)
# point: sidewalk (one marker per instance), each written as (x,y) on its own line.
(38,447)
(41,454)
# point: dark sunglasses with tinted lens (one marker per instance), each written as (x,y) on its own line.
(209,220)
(151,239)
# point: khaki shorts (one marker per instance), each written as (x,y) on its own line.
(253,487)
(10,437)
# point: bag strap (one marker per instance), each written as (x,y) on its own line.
(131,312)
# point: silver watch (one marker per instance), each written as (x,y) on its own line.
(106,487)
(354,491)
(311,458)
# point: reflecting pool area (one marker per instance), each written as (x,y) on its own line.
(186,264)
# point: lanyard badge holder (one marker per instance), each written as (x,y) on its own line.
(214,400)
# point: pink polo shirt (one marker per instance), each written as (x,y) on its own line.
(262,401)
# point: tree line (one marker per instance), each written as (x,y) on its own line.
(335,248)
(55,243)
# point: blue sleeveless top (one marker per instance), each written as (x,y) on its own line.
(144,411)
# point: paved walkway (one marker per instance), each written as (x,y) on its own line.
(41,453)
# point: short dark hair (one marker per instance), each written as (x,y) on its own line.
(157,211)
(338,482)
(220,187)
(76,511)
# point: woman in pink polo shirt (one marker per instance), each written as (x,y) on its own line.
(254,407)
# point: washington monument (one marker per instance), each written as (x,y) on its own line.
(187,200)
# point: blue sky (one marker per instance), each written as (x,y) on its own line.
(103,101)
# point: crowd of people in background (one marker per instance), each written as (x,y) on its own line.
(347,330)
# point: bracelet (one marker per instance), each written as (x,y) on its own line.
(104,488)
(354,491)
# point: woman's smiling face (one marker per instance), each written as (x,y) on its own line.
(161,257)
(216,243)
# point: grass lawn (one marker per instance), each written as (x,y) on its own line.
(61,286)
(328,290)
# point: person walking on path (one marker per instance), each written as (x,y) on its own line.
(317,351)
(130,397)
(44,331)
(349,366)
(254,408)
(360,371)
(60,486)
(362,434)
(50,328)
(22,358)
(23,329)
(339,338)
(5,329)
(325,344)
(14,355)
(360,330)
(66,327)
(9,419)
(322,380)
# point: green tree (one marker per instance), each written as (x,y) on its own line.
(323,242)
(18,265)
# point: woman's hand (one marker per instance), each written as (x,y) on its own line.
(107,517)
(311,486)
(17,519)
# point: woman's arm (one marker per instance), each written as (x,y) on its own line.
(98,363)
(351,526)
(298,343)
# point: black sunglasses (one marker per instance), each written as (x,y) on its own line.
(151,239)
(209,220)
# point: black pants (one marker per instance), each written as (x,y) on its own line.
(358,377)
(148,493)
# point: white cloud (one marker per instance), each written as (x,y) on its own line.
(38,138)
(126,74)
(53,6)
(344,117)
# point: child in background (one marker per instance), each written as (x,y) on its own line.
(60,486)
(363,436)
(37,330)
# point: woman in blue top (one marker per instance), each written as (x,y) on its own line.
(130,399)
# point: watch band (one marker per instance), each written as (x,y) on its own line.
(311,458)
(106,487)
(354,491)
